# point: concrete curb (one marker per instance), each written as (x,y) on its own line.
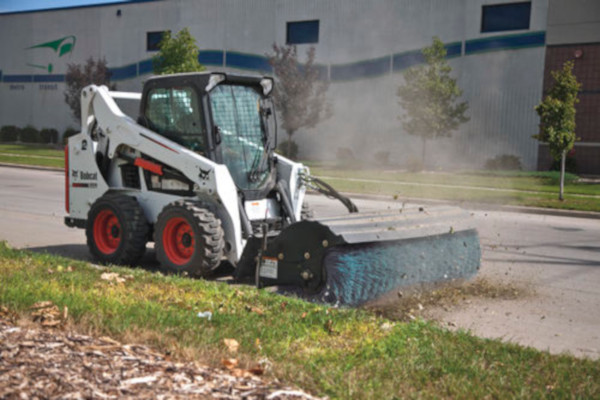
(473,206)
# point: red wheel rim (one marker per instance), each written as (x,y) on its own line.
(178,241)
(107,232)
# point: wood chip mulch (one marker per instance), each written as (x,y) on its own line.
(50,364)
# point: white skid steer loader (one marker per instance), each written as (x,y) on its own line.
(197,174)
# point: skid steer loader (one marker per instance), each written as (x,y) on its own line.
(197,174)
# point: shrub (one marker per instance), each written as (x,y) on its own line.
(344,154)
(68,133)
(382,157)
(49,135)
(283,149)
(506,162)
(9,133)
(414,164)
(30,135)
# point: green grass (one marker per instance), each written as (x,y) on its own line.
(342,353)
(535,189)
(25,154)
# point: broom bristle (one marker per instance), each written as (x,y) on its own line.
(357,273)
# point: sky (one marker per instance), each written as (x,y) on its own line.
(7,6)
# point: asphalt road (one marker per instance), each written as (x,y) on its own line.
(556,258)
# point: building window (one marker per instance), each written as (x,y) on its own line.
(302,32)
(505,17)
(153,39)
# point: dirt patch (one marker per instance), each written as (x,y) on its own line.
(417,302)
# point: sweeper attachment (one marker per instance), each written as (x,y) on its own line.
(353,259)
(198,175)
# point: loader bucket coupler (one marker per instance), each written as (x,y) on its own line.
(354,259)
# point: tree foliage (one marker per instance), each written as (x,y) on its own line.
(557,112)
(429,97)
(299,93)
(557,116)
(79,76)
(177,54)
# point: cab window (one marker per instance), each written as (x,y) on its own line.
(176,114)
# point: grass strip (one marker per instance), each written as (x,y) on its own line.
(533,181)
(468,195)
(34,155)
(342,353)
(32,150)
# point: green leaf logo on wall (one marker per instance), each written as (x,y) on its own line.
(60,46)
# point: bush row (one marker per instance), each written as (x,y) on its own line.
(29,134)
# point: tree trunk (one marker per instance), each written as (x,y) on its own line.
(423,154)
(563,159)
(289,145)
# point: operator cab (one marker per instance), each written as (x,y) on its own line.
(226,118)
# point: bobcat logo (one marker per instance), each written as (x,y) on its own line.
(204,174)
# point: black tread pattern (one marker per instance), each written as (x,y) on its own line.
(134,227)
(209,234)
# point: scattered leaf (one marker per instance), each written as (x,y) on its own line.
(304,314)
(255,310)
(329,326)
(112,277)
(232,345)
(230,363)
(257,370)
(41,304)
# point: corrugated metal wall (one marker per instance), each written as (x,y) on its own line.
(363,44)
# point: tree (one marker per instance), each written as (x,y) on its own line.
(557,117)
(299,93)
(429,98)
(79,76)
(177,54)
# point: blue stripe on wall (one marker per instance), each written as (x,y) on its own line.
(407,59)
(48,78)
(511,42)
(211,57)
(340,72)
(248,61)
(361,69)
(145,67)
(126,72)
(453,49)
(17,78)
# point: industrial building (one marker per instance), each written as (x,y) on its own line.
(501,53)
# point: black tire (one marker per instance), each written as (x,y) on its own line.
(306,212)
(188,238)
(117,230)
